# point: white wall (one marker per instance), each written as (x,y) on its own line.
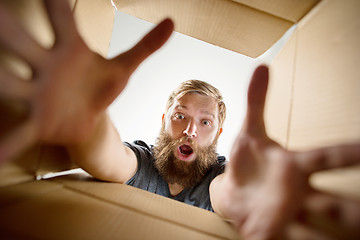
(137,111)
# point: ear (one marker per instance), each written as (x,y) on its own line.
(220,131)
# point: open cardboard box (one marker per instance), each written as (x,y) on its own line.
(313,101)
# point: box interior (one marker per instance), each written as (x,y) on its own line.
(312,102)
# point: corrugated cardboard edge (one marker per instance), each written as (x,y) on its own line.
(291,10)
(87,208)
(279,97)
(154,205)
(249,31)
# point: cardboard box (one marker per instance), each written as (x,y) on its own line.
(313,101)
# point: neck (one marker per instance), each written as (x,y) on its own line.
(175,189)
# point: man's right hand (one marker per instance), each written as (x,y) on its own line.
(71,86)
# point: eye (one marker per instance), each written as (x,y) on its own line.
(206,122)
(179,116)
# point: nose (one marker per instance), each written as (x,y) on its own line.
(190,130)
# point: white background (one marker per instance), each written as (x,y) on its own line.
(137,112)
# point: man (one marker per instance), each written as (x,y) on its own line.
(184,161)
(264,188)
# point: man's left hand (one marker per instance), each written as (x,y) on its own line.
(265,190)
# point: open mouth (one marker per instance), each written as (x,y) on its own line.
(186,150)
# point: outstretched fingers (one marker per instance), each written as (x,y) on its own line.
(125,64)
(61,18)
(16,40)
(17,141)
(254,120)
(148,45)
(337,217)
(12,86)
(328,157)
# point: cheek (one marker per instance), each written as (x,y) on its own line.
(174,130)
(206,138)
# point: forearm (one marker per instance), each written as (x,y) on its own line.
(103,154)
(217,192)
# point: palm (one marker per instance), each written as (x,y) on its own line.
(267,186)
(62,98)
(69,96)
(71,86)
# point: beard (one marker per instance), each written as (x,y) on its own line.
(173,170)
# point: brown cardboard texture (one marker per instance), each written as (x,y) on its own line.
(317,77)
(72,208)
(317,70)
(250,27)
(313,101)
(291,10)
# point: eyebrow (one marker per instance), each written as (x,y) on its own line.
(208,113)
(205,112)
(181,107)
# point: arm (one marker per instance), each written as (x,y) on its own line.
(103,154)
(69,92)
(265,191)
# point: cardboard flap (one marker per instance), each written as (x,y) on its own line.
(326,96)
(224,23)
(152,205)
(95,19)
(313,99)
(280,93)
(71,208)
(291,10)
(23,192)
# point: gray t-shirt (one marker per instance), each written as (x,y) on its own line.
(148,178)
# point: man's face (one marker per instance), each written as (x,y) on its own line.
(186,146)
(195,117)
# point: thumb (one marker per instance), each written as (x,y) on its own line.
(254,119)
(126,63)
(155,39)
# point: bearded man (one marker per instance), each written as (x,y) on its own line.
(264,186)
(184,162)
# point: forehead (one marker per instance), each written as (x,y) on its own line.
(197,103)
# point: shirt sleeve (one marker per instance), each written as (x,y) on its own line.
(142,153)
(146,176)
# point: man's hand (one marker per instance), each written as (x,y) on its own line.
(265,191)
(71,86)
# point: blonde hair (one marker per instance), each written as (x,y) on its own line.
(200,87)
